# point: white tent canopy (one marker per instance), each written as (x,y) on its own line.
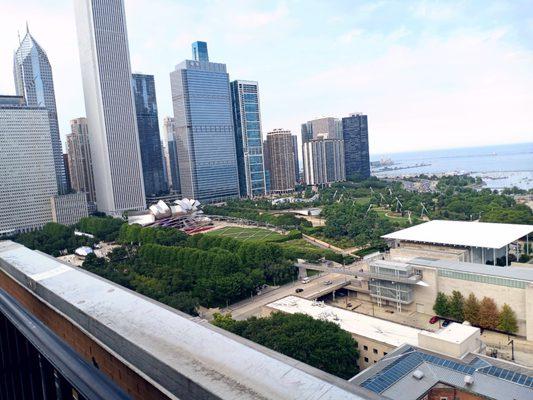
(463,233)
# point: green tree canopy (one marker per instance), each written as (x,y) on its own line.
(441,306)
(455,306)
(322,344)
(508,322)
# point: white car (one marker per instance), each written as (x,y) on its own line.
(305,280)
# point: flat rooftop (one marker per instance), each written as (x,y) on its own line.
(173,350)
(378,329)
(453,333)
(518,273)
(463,233)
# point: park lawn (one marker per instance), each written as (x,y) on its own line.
(255,234)
(362,200)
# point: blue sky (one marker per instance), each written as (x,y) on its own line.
(429,74)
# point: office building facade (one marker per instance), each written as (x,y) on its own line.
(330,127)
(323,161)
(27,166)
(204,130)
(296,163)
(281,161)
(68,209)
(34,81)
(106,73)
(80,161)
(173,170)
(356,155)
(149,139)
(248,140)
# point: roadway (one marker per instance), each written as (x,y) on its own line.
(315,288)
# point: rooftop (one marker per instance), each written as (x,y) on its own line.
(453,333)
(163,344)
(518,273)
(378,329)
(393,377)
(463,233)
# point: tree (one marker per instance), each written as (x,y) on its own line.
(322,344)
(471,309)
(489,317)
(441,306)
(508,323)
(455,306)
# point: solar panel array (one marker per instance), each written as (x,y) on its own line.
(442,362)
(411,359)
(393,372)
(508,375)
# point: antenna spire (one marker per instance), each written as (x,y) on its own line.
(27,28)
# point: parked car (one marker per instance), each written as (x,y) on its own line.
(305,280)
(327,283)
(434,319)
(446,323)
(299,290)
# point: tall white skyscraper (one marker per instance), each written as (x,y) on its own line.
(113,136)
(27,170)
(33,80)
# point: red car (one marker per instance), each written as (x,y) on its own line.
(433,319)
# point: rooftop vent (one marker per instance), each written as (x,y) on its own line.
(418,374)
(469,380)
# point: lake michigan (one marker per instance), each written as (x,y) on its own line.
(499,166)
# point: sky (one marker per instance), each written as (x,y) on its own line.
(429,74)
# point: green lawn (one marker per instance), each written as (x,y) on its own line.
(256,234)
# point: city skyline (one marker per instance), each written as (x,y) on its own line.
(396,70)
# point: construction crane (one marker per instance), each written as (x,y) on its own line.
(399,204)
(424,209)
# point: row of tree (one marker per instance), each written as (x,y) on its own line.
(321,344)
(484,313)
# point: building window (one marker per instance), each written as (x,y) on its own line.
(366,359)
(385,353)
(443,398)
(375,351)
(365,348)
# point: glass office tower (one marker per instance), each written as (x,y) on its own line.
(248,142)
(204,131)
(356,156)
(149,140)
(33,81)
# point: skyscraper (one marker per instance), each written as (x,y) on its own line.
(248,142)
(199,51)
(169,134)
(296,163)
(332,127)
(356,156)
(113,135)
(27,166)
(281,161)
(80,161)
(205,139)
(323,161)
(33,81)
(149,139)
